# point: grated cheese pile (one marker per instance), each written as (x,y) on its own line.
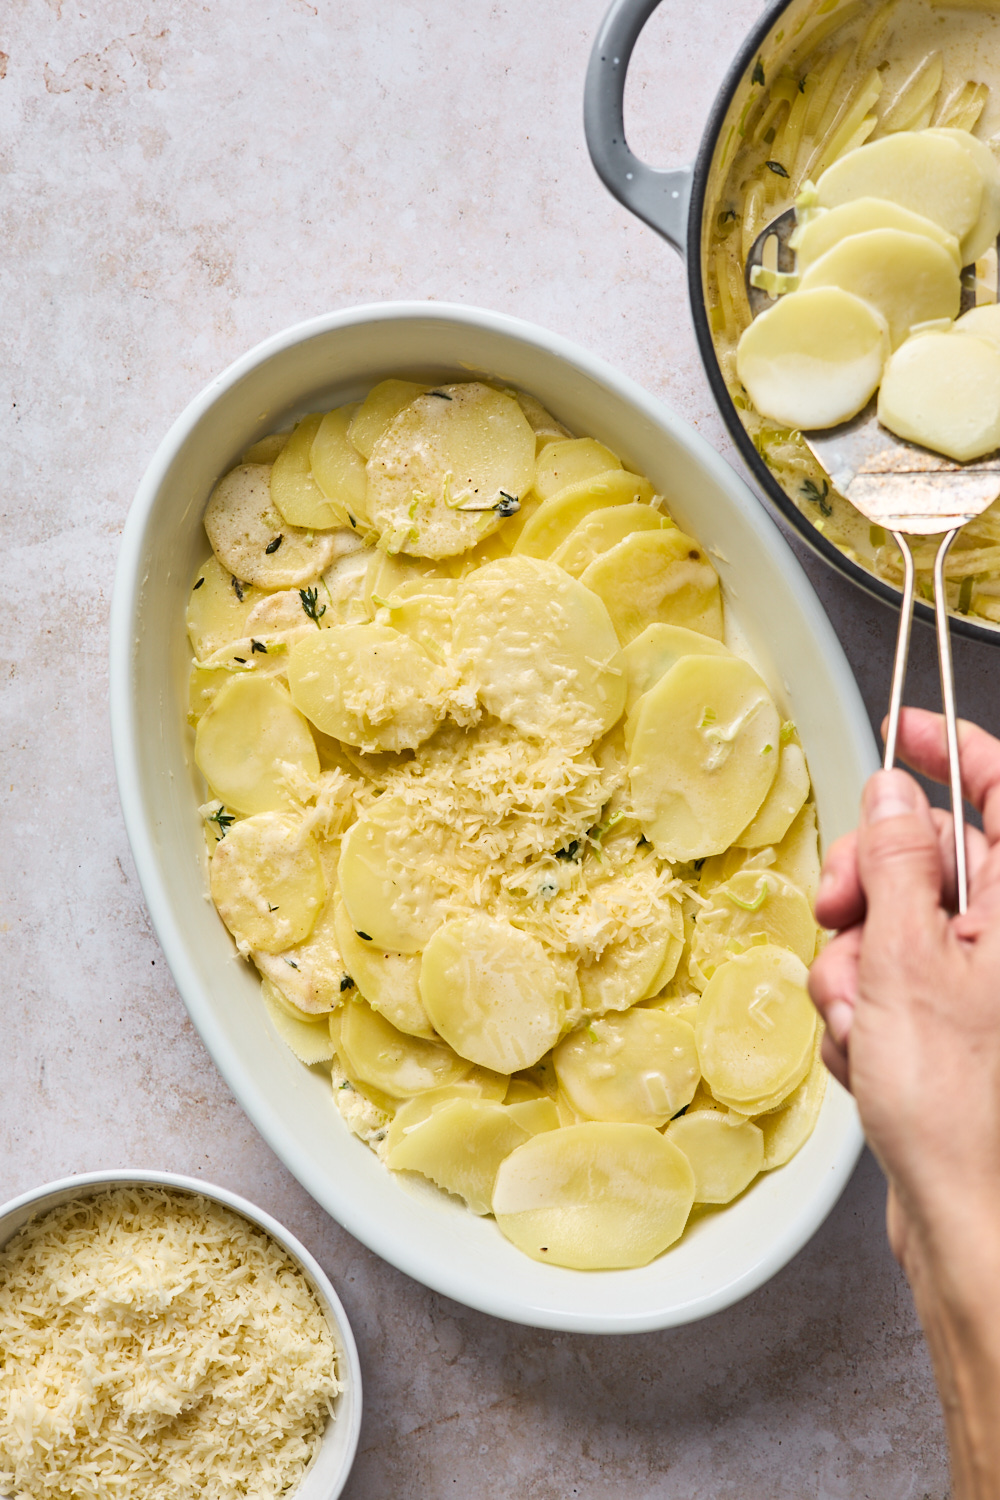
(157,1344)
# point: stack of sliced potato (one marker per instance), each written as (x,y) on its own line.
(880,245)
(521,849)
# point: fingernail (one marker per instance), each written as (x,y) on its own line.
(889,794)
(839,1016)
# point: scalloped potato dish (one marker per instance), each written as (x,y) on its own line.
(522,850)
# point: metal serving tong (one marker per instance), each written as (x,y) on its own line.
(909,491)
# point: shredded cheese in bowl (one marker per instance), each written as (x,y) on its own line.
(156,1343)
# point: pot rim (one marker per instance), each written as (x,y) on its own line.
(815,540)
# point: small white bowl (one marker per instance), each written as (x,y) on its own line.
(317,365)
(327,1473)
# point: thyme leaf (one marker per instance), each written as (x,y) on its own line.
(237,587)
(363,936)
(818,496)
(776,168)
(310,601)
(273,546)
(757,76)
(257,646)
(198,585)
(222,820)
(347,983)
(570,852)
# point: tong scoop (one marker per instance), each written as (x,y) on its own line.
(909,491)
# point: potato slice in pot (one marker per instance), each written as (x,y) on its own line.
(540,650)
(756,1028)
(827,229)
(631,970)
(657,577)
(309,1040)
(594,1197)
(924,171)
(570,461)
(492,992)
(983,234)
(448,468)
(388,877)
(814,358)
(603,530)
(641,1067)
(252,539)
(390,982)
(562,512)
(248,742)
(789,1127)
(703,755)
(755,906)
(906,277)
(943,390)
(983,322)
(787,795)
(338,469)
(312,976)
(460,1146)
(725,1157)
(267,881)
(390,1061)
(368,685)
(293,489)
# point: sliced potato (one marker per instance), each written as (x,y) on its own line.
(641,1066)
(755,906)
(448,468)
(983,321)
(787,795)
(983,234)
(825,230)
(543,423)
(309,1040)
(563,511)
(252,539)
(703,755)
(594,1197)
(906,277)
(657,577)
(492,992)
(653,652)
(267,881)
(294,490)
(218,607)
(460,1146)
(312,976)
(756,1028)
(788,1128)
(922,170)
(343,589)
(390,1061)
(540,650)
(250,741)
(380,407)
(390,982)
(570,461)
(414,1111)
(535,1115)
(631,970)
(388,876)
(368,685)
(813,359)
(725,1157)
(942,390)
(266,449)
(338,468)
(797,856)
(602,530)
(424,609)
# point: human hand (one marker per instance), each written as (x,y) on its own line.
(911,993)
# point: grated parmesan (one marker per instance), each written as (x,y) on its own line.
(157,1344)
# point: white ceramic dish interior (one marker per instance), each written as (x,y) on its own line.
(327,1474)
(319,364)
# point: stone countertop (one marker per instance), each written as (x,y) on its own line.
(181,181)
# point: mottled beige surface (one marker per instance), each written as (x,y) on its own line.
(179,182)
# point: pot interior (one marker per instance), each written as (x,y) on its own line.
(813,81)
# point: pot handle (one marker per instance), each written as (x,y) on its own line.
(660,198)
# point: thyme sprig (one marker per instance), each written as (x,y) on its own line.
(311,605)
(817,496)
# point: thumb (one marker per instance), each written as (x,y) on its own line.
(899,853)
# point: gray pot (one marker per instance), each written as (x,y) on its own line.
(678,203)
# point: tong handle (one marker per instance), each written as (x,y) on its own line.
(947,691)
